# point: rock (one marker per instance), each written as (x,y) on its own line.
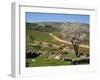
(58,57)
(55,46)
(33,60)
(81,60)
(44,43)
(36,43)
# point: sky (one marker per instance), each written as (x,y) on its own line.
(52,17)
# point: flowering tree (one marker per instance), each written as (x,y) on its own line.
(75,34)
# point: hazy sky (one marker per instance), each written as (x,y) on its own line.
(52,17)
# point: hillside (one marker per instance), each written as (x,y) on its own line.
(55,26)
(46,44)
(60,27)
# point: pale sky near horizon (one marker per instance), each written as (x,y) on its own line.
(52,17)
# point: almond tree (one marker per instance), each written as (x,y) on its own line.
(75,34)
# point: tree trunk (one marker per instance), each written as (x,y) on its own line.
(76,51)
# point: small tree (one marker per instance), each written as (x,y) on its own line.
(32,37)
(75,34)
(76,42)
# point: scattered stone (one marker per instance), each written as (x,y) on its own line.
(33,60)
(57,57)
(81,60)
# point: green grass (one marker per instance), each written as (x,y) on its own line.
(43,61)
(71,55)
(40,36)
(58,34)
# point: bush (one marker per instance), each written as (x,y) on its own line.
(32,54)
(65,52)
(81,61)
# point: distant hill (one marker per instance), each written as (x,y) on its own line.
(42,27)
(60,27)
(55,26)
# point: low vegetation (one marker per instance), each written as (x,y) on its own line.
(43,50)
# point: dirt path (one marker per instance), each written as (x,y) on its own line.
(67,42)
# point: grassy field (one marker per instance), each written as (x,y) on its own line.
(32,36)
(41,36)
(44,61)
(58,34)
(44,36)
